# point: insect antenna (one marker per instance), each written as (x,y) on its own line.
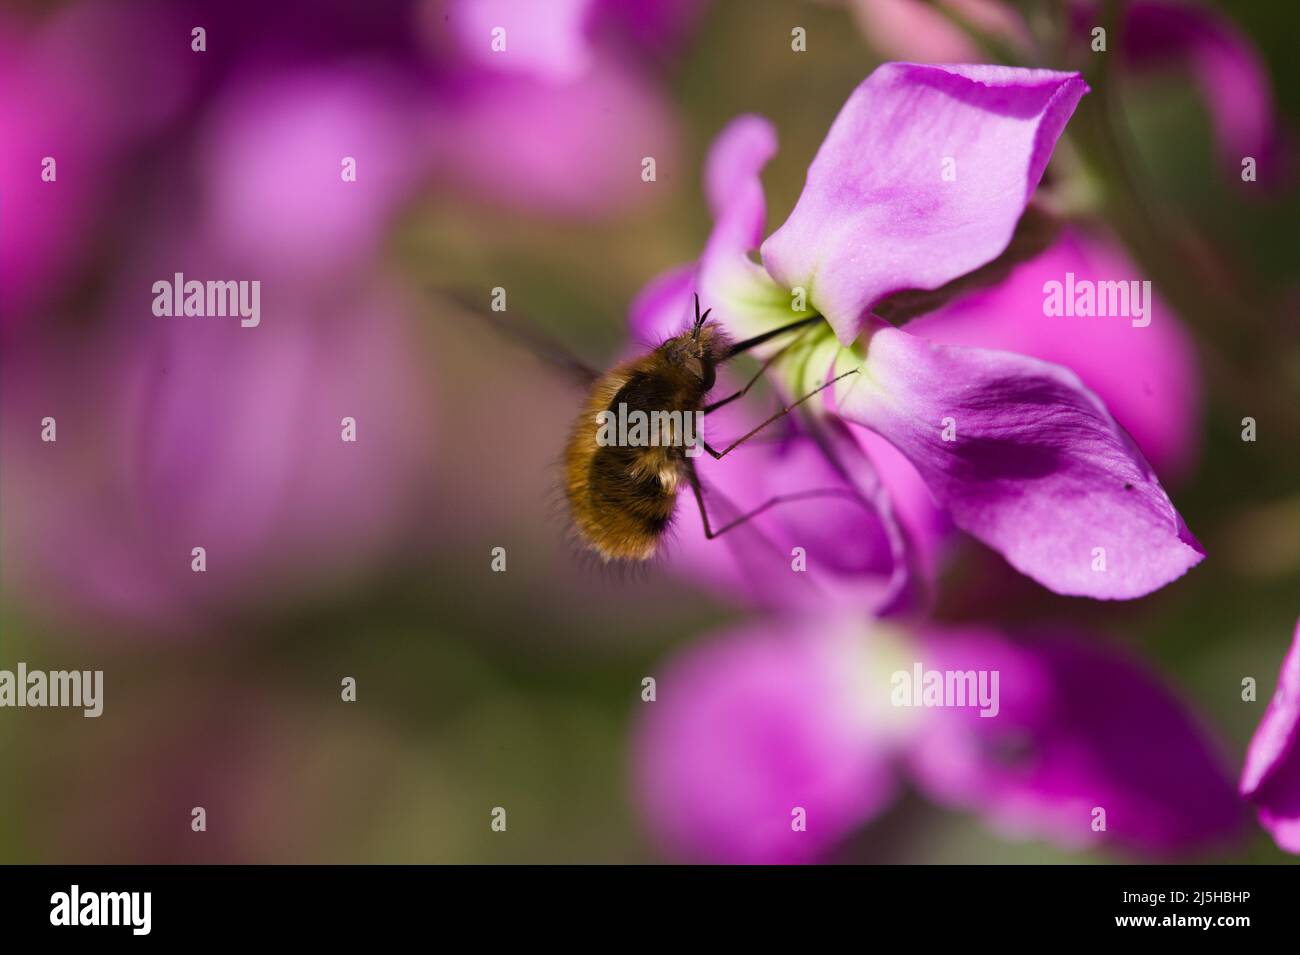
(699,319)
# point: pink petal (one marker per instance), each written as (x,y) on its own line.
(548,40)
(731,172)
(1270,777)
(1077,727)
(876,216)
(1037,468)
(1147,376)
(850,552)
(298,212)
(750,726)
(928,529)
(744,298)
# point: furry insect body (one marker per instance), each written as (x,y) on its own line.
(622,498)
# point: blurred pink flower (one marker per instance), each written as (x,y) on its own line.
(556,121)
(772,718)
(272,154)
(79,89)
(569,148)
(753,723)
(177,432)
(564,130)
(1270,778)
(181,432)
(561,112)
(558,39)
(1081,726)
(544,41)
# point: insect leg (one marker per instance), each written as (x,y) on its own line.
(710,533)
(780,414)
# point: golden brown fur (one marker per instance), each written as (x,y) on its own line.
(621,499)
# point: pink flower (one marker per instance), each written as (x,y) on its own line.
(1017,451)
(775,741)
(1147,379)
(754,724)
(1270,778)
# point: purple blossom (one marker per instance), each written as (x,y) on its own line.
(852,550)
(1157,36)
(1081,725)
(770,718)
(1270,778)
(877,216)
(1035,466)
(1149,382)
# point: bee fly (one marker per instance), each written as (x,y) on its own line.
(621,496)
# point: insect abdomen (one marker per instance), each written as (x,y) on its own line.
(621,499)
